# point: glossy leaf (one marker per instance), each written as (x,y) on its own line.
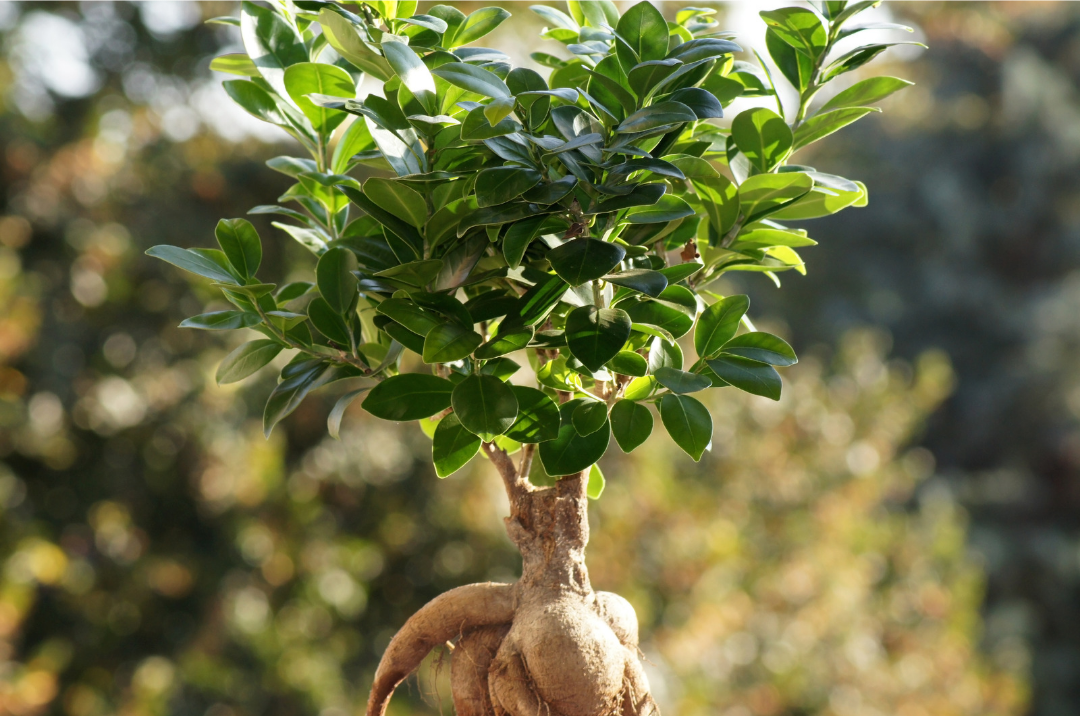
(499,185)
(800,28)
(628,363)
(681,382)
(570,453)
(864,93)
(642,34)
(765,194)
(334,276)
(291,391)
(537,419)
(672,320)
(596,335)
(762,136)
(271,43)
(192,262)
(589,417)
(718,324)
(449,342)
(582,260)
(660,114)
(646,281)
(333,420)
(241,244)
(472,78)
(631,424)
(222,321)
(414,74)
(485,405)
(318,78)
(452,446)
(328,321)
(762,347)
(748,375)
(823,124)
(246,360)
(688,423)
(478,24)
(400,200)
(409,396)
(667,208)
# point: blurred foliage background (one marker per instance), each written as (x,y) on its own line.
(897,536)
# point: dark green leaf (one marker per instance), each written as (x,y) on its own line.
(631,424)
(658,115)
(678,272)
(335,279)
(701,102)
(663,354)
(646,281)
(193,262)
(291,391)
(551,193)
(644,76)
(538,416)
(449,342)
(628,363)
(395,197)
(679,381)
(667,208)
(570,453)
(589,417)
(507,340)
(499,185)
(408,314)
(538,301)
(581,260)
(748,375)
(472,78)
(240,243)
(328,321)
(501,368)
(333,420)
(688,423)
(800,28)
(518,237)
(222,321)
(409,396)
(703,48)
(762,347)
(485,405)
(642,195)
(859,57)
(642,35)
(595,336)
(763,136)
(414,273)
(718,324)
(246,359)
(653,313)
(452,446)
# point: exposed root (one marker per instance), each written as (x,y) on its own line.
(440,620)
(469,668)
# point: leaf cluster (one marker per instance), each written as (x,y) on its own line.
(577,219)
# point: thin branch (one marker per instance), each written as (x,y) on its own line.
(515,484)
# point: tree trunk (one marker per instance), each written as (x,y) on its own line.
(547,644)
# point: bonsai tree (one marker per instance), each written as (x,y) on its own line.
(577,221)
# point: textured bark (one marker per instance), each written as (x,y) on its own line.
(548,644)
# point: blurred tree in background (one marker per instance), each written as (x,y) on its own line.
(158,556)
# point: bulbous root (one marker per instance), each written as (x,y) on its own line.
(546,646)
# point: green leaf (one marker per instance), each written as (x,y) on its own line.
(246,359)
(718,324)
(478,24)
(748,375)
(333,420)
(667,208)
(800,28)
(596,335)
(660,114)
(764,194)
(549,193)
(688,423)
(499,109)
(644,76)
(570,453)
(628,363)
(344,37)
(631,424)
(678,272)
(291,391)
(762,347)
(664,354)
(830,196)
(537,419)
(857,58)
(589,417)
(415,273)
(356,139)
(796,66)
(409,396)
(538,301)
(596,484)
(518,237)
(222,321)
(335,279)
(235,64)
(408,314)
(449,342)
(240,243)
(865,93)
(192,262)
(703,48)
(646,281)
(452,446)
(679,381)
(499,185)
(640,388)
(510,338)
(485,405)
(642,195)
(641,35)
(653,313)
(320,79)
(400,200)
(472,78)
(763,136)
(767,238)
(271,43)
(414,74)
(823,124)
(703,103)
(328,322)
(581,260)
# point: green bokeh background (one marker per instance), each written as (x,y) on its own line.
(897,536)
